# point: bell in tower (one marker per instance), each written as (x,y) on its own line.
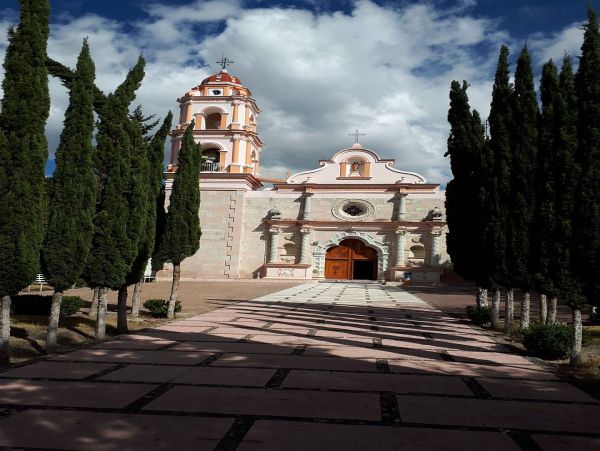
(224,115)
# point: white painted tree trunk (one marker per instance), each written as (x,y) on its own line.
(52,334)
(496,309)
(509,311)
(101,314)
(543,308)
(525,308)
(5,330)
(551,318)
(482,295)
(122,310)
(94,308)
(576,358)
(136,300)
(174,290)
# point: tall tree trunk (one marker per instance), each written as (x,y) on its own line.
(94,308)
(576,358)
(5,331)
(174,289)
(525,307)
(551,318)
(122,310)
(482,295)
(543,308)
(496,310)
(509,311)
(52,335)
(136,300)
(101,314)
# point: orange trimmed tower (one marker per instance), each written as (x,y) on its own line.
(224,115)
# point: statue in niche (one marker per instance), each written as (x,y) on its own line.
(355,166)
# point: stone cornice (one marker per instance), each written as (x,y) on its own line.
(388,225)
(362,187)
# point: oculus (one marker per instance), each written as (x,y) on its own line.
(353,210)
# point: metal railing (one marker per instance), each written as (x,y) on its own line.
(211,166)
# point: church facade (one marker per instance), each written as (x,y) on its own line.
(354,217)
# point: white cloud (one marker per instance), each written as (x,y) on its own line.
(317,76)
(555,45)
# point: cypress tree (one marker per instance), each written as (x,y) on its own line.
(525,118)
(566,174)
(587,213)
(464,148)
(156,154)
(137,199)
(545,216)
(23,154)
(497,185)
(181,237)
(114,244)
(73,195)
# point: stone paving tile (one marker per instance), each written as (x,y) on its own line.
(489,357)
(296,362)
(309,404)
(517,372)
(145,343)
(499,414)
(399,383)
(122,356)
(69,394)
(353,352)
(191,375)
(209,336)
(566,443)
(110,431)
(251,348)
(542,390)
(296,436)
(57,370)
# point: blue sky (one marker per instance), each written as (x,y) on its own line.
(318,69)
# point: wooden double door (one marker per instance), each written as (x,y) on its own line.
(351,260)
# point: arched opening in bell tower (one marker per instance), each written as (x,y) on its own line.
(213,121)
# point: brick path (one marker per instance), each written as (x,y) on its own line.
(325,366)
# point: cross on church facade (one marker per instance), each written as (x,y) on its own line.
(356,135)
(224,62)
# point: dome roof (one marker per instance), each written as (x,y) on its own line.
(222,77)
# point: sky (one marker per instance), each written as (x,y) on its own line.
(317,69)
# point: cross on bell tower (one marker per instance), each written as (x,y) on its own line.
(224,62)
(356,135)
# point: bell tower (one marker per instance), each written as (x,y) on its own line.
(225,116)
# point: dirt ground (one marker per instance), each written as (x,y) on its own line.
(28,332)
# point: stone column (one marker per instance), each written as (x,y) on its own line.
(400,246)
(400,207)
(236,113)
(436,236)
(305,246)
(188,112)
(306,206)
(273,244)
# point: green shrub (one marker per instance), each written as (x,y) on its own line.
(158,307)
(70,305)
(479,315)
(548,341)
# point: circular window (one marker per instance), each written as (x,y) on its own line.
(216,92)
(353,210)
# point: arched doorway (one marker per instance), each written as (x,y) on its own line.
(351,260)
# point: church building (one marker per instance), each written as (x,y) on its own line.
(354,217)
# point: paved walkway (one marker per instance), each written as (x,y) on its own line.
(325,366)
